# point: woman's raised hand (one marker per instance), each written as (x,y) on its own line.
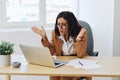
(40,31)
(80,35)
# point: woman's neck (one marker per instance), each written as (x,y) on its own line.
(66,37)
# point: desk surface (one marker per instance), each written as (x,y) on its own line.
(110,68)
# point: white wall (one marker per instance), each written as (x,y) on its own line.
(99,14)
(22,36)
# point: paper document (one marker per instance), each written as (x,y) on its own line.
(84,63)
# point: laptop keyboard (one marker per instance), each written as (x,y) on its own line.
(57,63)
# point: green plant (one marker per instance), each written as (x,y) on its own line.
(6,48)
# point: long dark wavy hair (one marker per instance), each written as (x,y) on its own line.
(73,25)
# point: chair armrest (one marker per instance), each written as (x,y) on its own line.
(81,78)
(95,53)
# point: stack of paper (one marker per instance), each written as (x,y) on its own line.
(84,63)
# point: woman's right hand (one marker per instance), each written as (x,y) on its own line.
(39,31)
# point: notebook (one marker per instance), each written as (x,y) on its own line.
(40,56)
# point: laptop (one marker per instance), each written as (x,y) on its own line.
(40,56)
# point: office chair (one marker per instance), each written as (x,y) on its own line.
(90,42)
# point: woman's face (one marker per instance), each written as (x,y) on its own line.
(62,26)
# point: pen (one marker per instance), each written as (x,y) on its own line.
(80,63)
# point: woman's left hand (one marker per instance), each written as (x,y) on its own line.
(80,35)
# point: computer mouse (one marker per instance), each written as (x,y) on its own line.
(16,64)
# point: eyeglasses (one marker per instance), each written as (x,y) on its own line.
(62,26)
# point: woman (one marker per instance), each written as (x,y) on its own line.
(68,38)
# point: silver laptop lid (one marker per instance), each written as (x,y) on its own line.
(37,55)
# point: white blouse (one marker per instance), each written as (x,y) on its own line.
(68,47)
